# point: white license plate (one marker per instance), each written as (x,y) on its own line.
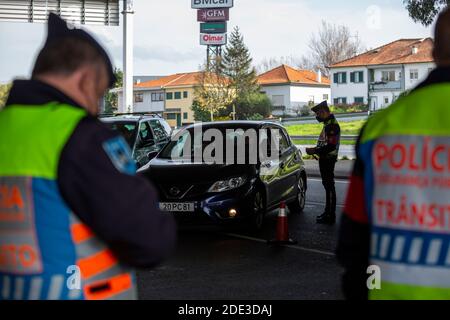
(177,206)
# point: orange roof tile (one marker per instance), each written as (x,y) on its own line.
(286,74)
(174,80)
(397,52)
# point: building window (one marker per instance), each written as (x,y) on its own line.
(169,96)
(340,101)
(311,100)
(185,94)
(157,96)
(138,97)
(185,115)
(359,100)
(386,100)
(177,95)
(414,74)
(340,77)
(387,76)
(171,116)
(325,97)
(357,77)
(278,101)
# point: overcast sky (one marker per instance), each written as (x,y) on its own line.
(167,33)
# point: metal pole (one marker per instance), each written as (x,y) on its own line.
(128,14)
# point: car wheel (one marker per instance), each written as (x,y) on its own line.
(259,211)
(299,204)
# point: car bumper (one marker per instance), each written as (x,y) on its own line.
(216,207)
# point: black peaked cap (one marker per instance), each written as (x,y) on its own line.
(58,28)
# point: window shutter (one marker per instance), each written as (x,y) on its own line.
(352,77)
(344,77)
(361,76)
(336,77)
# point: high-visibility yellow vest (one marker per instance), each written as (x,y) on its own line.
(406,154)
(46,252)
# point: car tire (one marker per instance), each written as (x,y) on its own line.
(259,212)
(298,205)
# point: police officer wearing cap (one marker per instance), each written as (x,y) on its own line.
(327,151)
(75,217)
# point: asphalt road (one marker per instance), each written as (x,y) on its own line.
(232,264)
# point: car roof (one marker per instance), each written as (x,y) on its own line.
(232,124)
(131,117)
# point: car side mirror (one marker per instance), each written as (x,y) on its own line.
(152,155)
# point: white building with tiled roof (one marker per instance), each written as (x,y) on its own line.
(379,76)
(290,89)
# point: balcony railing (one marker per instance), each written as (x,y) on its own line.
(385,85)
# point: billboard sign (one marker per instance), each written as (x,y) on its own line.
(213,27)
(211,15)
(213,39)
(211,4)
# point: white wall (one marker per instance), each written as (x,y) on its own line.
(295,96)
(278,91)
(424,70)
(380,95)
(146,106)
(301,95)
(349,90)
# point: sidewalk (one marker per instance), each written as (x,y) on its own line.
(343,169)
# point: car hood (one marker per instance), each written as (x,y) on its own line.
(175,171)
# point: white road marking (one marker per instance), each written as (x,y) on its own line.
(234,235)
(337,181)
(315,203)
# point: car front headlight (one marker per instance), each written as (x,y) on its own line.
(225,185)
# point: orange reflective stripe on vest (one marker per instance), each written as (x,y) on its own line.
(96,264)
(109,288)
(80,233)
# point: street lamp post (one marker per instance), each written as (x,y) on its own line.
(128,24)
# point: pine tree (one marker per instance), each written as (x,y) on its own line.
(237,66)
(248,102)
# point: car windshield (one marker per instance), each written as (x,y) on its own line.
(232,140)
(127,129)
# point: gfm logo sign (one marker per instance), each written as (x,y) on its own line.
(213,39)
(213,15)
(207,4)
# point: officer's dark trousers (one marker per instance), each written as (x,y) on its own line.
(326,166)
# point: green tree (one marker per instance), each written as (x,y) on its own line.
(255,106)
(213,92)
(424,11)
(237,66)
(200,114)
(111,98)
(248,102)
(4,92)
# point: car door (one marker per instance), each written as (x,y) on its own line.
(289,167)
(285,181)
(145,144)
(269,172)
(159,133)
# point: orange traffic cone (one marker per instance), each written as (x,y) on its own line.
(282,236)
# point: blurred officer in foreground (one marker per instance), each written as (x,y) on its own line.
(74,217)
(327,150)
(397,213)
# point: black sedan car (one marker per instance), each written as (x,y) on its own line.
(194,183)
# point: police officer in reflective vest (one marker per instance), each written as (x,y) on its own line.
(74,217)
(394,240)
(327,150)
